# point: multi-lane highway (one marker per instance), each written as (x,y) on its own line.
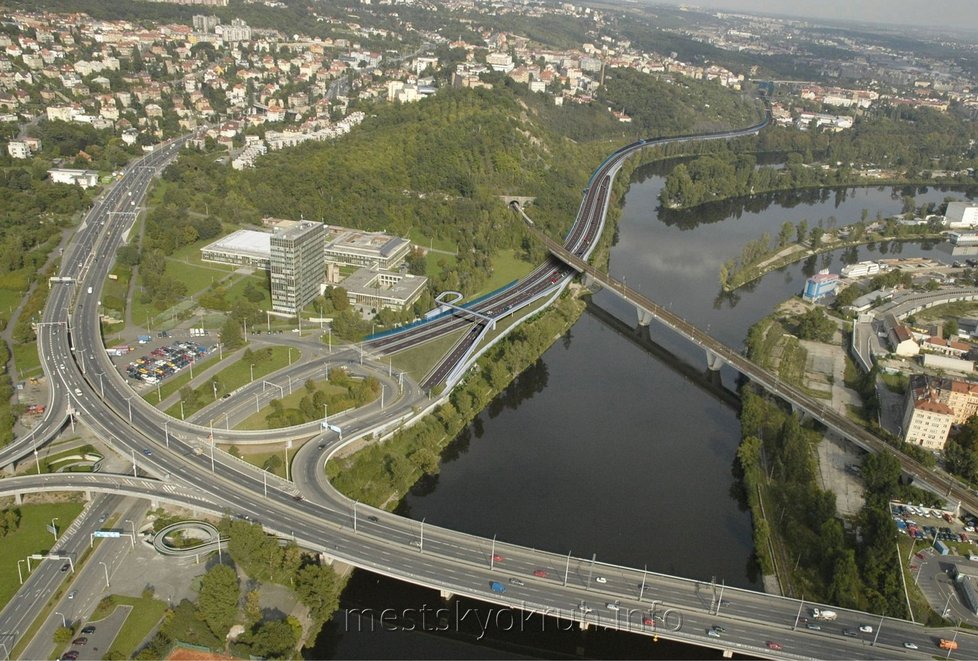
(450,561)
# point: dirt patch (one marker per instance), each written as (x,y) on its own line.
(187,654)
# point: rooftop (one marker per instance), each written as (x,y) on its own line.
(248,242)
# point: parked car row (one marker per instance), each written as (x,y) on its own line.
(165,361)
(81,641)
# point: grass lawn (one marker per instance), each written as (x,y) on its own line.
(9,298)
(506,267)
(260,281)
(419,360)
(52,463)
(30,537)
(237,375)
(28,362)
(420,239)
(257,420)
(259,458)
(179,380)
(143,618)
(431,266)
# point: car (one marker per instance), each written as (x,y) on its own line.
(910,646)
(712,633)
(147,452)
(73,594)
(497,558)
(70,655)
(850,633)
(541,573)
(771,645)
(496,586)
(226,395)
(648,621)
(89,629)
(718,628)
(416,543)
(600,579)
(66,566)
(584,608)
(80,641)
(372,518)
(297,498)
(813,626)
(515,581)
(865,628)
(612,607)
(102,518)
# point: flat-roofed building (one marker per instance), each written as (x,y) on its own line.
(240,248)
(373,289)
(83,178)
(368,249)
(296,265)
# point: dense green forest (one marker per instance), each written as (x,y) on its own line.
(797,528)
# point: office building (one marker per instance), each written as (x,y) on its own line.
(240,248)
(369,249)
(370,290)
(819,285)
(296,265)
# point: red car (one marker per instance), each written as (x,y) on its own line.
(648,621)
(497,558)
(773,645)
(80,641)
(542,573)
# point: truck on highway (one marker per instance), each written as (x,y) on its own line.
(825,616)
(948,644)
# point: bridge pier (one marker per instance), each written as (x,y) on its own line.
(591,284)
(584,625)
(727,654)
(446,594)
(644,316)
(713,361)
(18,498)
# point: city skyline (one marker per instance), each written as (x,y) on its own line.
(959,14)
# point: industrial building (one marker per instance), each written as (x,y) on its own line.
(368,249)
(296,265)
(371,289)
(240,248)
(860,270)
(961,215)
(819,285)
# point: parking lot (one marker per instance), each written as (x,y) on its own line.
(165,361)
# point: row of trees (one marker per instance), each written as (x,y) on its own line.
(357,393)
(910,144)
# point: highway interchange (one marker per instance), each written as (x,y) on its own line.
(325,521)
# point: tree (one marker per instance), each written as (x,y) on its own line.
(318,589)
(9,521)
(951,329)
(961,461)
(339,298)
(273,639)
(801,231)
(217,603)
(785,234)
(815,325)
(231,334)
(63,635)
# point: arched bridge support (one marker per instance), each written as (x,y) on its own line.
(591,284)
(713,361)
(644,316)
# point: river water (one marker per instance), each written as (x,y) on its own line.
(603,448)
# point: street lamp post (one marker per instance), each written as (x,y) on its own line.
(354,516)
(54,528)
(133,462)
(101,386)
(590,571)
(567,568)
(129,404)
(421,543)
(133,526)
(166,432)
(492,554)
(252,370)
(64,622)
(19,574)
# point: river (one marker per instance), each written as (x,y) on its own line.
(602,448)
